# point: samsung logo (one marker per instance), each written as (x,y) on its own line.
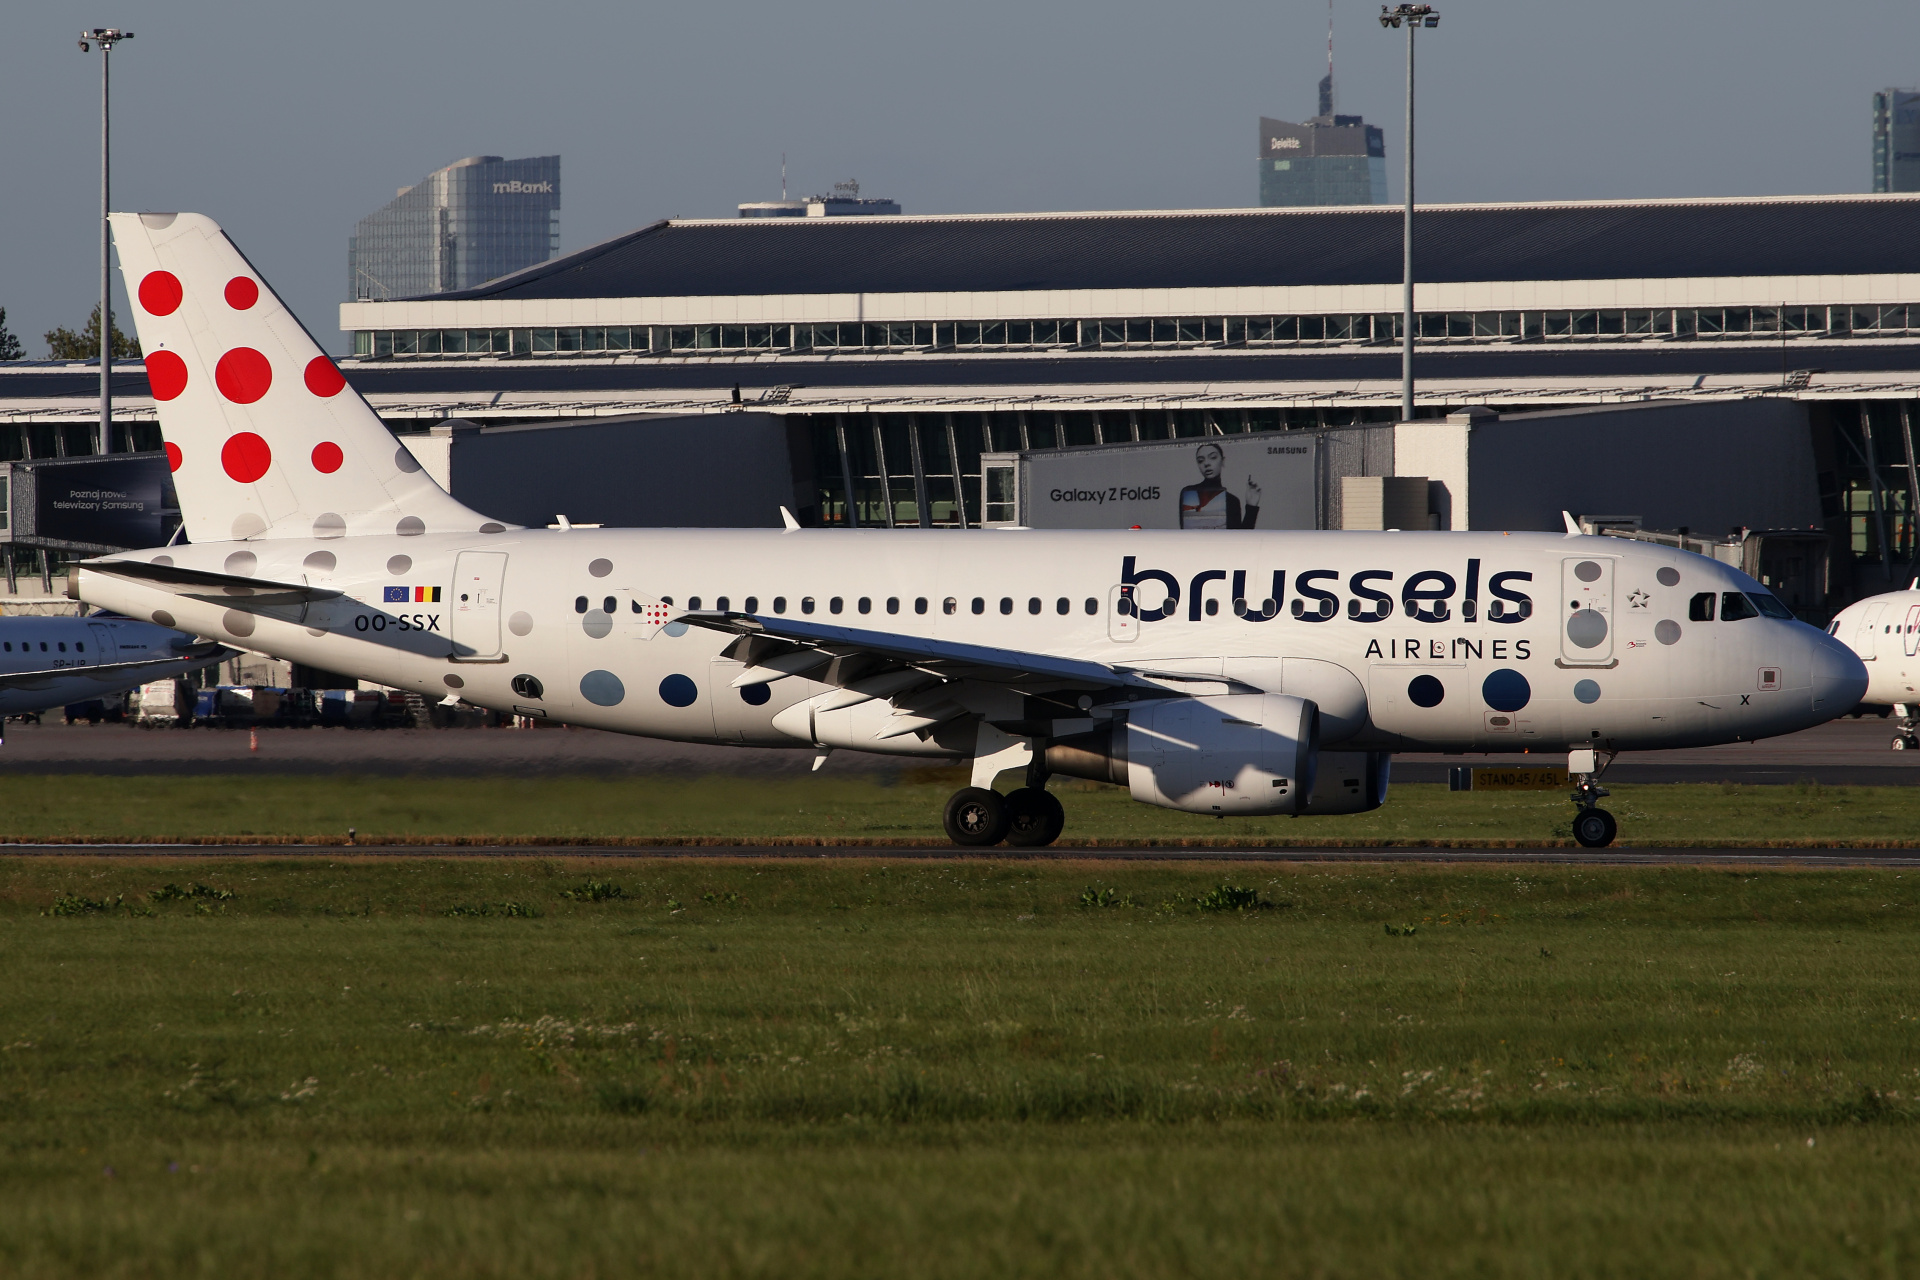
(518,188)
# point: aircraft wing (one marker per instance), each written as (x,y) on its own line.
(117,673)
(773,648)
(216,588)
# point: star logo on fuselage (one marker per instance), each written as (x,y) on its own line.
(1639,600)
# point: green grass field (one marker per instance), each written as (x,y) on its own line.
(497,1067)
(906,811)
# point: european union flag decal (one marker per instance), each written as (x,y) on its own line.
(397,595)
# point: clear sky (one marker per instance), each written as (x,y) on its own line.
(287,123)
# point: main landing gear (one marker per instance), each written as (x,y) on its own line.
(1593,827)
(1029,818)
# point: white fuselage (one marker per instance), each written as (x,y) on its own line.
(1884,631)
(55,662)
(1601,652)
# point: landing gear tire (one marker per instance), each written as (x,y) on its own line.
(1594,828)
(1034,818)
(1904,743)
(976,818)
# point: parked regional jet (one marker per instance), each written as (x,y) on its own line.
(1884,631)
(1240,673)
(52,662)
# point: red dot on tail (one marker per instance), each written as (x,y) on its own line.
(159,293)
(166,375)
(243,375)
(246,457)
(173,456)
(242,293)
(323,379)
(327,457)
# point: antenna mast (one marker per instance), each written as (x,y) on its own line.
(1326,86)
(783,177)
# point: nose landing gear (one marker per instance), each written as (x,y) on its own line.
(1593,827)
(1908,738)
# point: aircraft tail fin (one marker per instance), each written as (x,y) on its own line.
(265,437)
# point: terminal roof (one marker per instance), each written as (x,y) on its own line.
(1801,236)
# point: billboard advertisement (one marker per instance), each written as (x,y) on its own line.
(1267,481)
(110,500)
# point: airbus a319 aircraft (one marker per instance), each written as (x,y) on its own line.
(1235,673)
(1884,630)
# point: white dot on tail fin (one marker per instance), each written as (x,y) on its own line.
(403,458)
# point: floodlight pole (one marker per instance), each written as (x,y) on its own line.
(106,38)
(1413,17)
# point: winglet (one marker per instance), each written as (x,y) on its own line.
(786,518)
(1573,526)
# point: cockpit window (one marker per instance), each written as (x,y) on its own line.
(1769,605)
(1700,608)
(1734,606)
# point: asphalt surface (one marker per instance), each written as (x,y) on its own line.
(1842,753)
(1616,857)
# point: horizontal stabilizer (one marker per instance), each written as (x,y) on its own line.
(231,586)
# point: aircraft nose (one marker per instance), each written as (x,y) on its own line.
(1839,678)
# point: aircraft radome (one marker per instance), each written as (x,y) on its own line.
(1245,673)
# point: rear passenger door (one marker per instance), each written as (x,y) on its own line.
(1865,640)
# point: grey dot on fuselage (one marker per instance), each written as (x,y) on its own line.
(398,565)
(329,525)
(600,568)
(247,523)
(237,623)
(320,561)
(520,623)
(163,560)
(596,624)
(1667,631)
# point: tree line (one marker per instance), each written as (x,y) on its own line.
(66,344)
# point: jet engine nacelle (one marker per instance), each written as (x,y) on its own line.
(1349,782)
(1243,753)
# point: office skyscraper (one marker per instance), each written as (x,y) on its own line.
(1330,159)
(1896,140)
(473,221)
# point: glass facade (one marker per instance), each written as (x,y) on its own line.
(458,227)
(1896,140)
(1450,328)
(1329,160)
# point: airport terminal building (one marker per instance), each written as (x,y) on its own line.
(920,370)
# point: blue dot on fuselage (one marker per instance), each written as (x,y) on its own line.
(1506,690)
(1425,691)
(756,695)
(1587,691)
(678,691)
(602,689)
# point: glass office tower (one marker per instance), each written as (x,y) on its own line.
(1328,160)
(1896,140)
(458,227)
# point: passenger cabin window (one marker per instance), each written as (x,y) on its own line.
(63,646)
(865,605)
(806,604)
(43,646)
(753,604)
(1700,608)
(1063,606)
(9,646)
(693,602)
(1770,606)
(1093,606)
(779,604)
(722,604)
(1006,604)
(1734,606)
(580,604)
(666,599)
(920,604)
(80,646)
(949,605)
(893,604)
(835,605)
(1033,604)
(610,605)
(979,605)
